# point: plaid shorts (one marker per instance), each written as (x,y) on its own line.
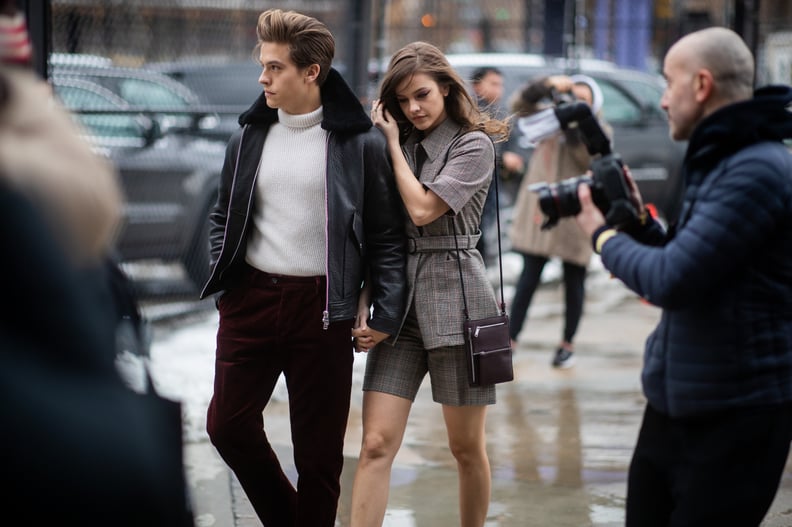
(400,369)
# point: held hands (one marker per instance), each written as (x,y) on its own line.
(365,337)
(383,120)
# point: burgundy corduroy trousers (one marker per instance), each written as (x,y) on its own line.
(272,324)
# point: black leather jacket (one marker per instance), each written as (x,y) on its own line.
(365,227)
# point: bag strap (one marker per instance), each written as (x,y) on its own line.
(496,177)
(500,255)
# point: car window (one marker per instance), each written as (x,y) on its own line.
(617,107)
(232,83)
(147,94)
(109,125)
(140,92)
(649,94)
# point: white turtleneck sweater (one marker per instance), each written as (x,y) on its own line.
(288,235)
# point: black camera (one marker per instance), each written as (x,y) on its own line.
(562,97)
(609,189)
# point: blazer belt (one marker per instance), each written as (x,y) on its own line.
(428,244)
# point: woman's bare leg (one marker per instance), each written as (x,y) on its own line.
(384,422)
(467,441)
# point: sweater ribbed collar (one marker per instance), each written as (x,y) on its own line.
(305,120)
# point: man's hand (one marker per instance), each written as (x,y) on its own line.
(635,194)
(589,218)
(366,337)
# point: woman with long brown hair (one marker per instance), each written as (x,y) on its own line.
(443,157)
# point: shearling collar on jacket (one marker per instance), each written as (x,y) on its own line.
(765,117)
(342,111)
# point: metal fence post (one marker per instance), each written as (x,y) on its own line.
(358,45)
(746,23)
(39,22)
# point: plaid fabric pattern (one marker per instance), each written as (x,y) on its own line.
(401,368)
(458,168)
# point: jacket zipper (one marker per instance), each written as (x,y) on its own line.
(230,199)
(326,313)
(250,198)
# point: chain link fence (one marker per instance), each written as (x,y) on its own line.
(158,84)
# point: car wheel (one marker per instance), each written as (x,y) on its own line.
(196,261)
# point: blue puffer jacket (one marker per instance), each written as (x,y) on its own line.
(723,275)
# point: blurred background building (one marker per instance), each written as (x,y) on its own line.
(632,33)
(158,84)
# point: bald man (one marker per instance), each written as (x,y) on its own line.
(717,371)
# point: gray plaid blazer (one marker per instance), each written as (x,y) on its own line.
(458,168)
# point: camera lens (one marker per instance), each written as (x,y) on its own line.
(559,200)
(547,203)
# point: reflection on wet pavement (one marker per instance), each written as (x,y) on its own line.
(559,442)
(558,457)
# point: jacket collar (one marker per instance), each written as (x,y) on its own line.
(436,143)
(765,117)
(342,111)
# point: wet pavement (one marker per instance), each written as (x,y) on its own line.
(559,441)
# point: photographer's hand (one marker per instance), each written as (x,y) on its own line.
(560,83)
(589,218)
(635,194)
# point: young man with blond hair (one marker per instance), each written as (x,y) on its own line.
(307,212)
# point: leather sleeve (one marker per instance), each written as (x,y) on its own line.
(219,213)
(384,221)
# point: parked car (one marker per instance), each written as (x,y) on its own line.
(228,86)
(150,91)
(154,130)
(221,83)
(631,107)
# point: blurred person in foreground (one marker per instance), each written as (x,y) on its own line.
(443,159)
(556,158)
(717,371)
(75,438)
(307,212)
(47,165)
